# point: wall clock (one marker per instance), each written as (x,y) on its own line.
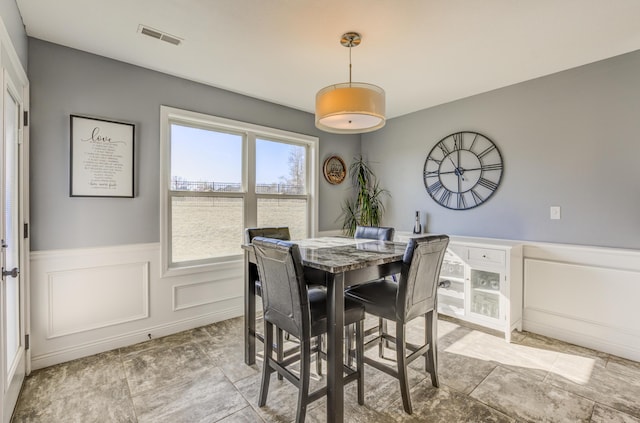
(463,170)
(334,170)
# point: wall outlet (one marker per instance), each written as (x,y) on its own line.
(554,212)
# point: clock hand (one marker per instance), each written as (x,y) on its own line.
(466,170)
(457,171)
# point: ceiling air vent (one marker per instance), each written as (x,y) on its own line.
(154,33)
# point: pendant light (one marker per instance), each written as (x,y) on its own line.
(350,107)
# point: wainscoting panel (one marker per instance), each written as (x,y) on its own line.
(210,290)
(587,296)
(87,301)
(105,296)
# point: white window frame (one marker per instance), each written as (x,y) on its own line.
(250,132)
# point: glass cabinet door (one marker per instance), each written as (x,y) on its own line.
(484,293)
(451,299)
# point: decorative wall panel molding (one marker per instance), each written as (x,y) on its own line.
(584,295)
(97,297)
(198,293)
(87,301)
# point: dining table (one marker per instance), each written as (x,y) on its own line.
(341,262)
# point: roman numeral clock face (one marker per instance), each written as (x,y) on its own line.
(463,170)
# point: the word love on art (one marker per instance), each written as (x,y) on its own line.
(102,158)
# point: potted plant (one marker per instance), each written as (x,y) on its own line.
(366,208)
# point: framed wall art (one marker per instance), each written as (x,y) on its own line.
(102,153)
(334,170)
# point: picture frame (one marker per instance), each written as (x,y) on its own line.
(334,170)
(101,157)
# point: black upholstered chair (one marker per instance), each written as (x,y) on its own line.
(289,305)
(275,232)
(380,233)
(413,296)
(374,232)
(282,233)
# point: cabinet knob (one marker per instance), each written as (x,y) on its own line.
(444,283)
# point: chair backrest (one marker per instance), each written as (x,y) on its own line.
(380,233)
(280,232)
(419,277)
(284,293)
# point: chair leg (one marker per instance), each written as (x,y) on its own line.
(305,373)
(266,364)
(319,355)
(431,337)
(383,323)
(280,348)
(401,354)
(348,344)
(258,316)
(381,341)
(360,360)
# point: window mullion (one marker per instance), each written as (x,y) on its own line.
(284,196)
(251,202)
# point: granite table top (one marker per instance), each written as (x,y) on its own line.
(341,254)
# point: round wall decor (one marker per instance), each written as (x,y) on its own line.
(334,170)
(463,170)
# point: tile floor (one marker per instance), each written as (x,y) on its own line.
(199,376)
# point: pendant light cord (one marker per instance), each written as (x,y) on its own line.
(350,45)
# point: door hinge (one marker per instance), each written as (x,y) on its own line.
(26,230)
(25,121)
(26,342)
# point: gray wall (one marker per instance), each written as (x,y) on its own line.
(570,139)
(66,81)
(13,22)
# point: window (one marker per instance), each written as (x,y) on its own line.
(281,186)
(220,176)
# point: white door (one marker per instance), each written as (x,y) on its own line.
(13,286)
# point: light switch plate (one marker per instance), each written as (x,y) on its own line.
(554,212)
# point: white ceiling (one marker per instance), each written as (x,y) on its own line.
(422,52)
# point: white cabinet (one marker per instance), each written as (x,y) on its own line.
(486,282)
(451,300)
